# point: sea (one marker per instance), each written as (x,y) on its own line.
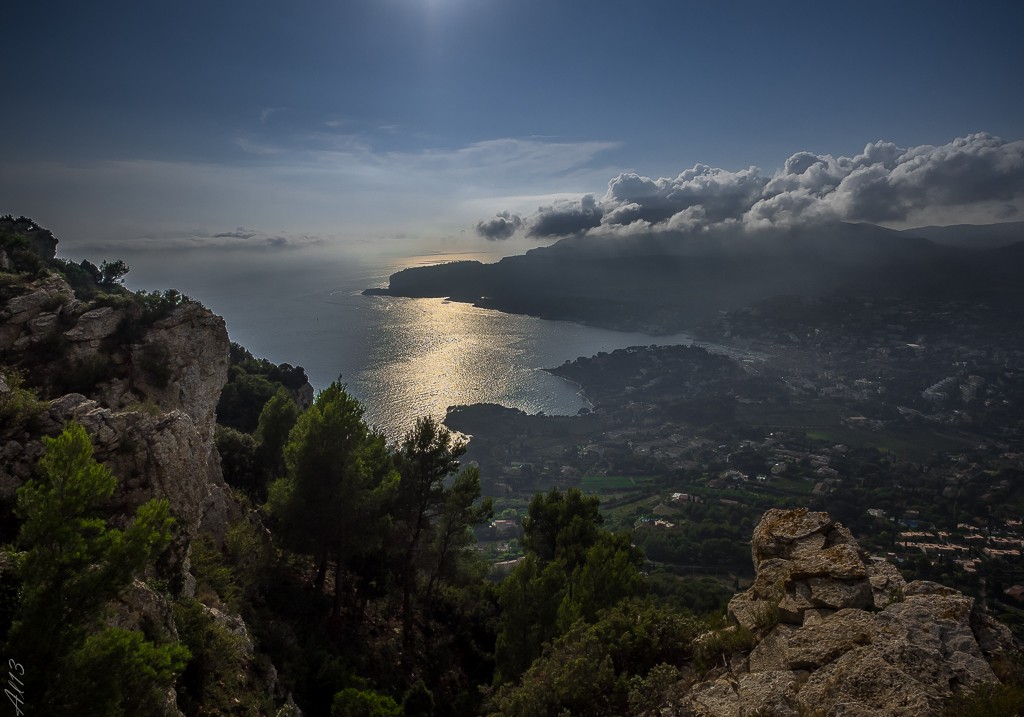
(402,358)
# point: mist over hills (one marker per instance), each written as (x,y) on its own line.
(664,282)
(973,236)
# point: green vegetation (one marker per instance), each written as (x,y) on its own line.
(353,564)
(352,702)
(381,537)
(112,273)
(1002,699)
(573,570)
(251,383)
(251,462)
(71,567)
(276,421)
(214,680)
(330,505)
(597,668)
(603,483)
(19,407)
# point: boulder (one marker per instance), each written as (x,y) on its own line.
(841,635)
(94,325)
(45,294)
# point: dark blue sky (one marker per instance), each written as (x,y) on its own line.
(364,120)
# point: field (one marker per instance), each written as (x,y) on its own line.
(610,484)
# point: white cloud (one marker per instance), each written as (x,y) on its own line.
(976,178)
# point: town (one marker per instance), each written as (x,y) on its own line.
(900,417)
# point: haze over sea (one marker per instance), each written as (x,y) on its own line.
(403,358)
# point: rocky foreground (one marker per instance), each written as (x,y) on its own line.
(843,635)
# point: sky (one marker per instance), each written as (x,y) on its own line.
(413,126)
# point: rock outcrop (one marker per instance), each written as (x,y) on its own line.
(151,415)
(147,374)
(842,635)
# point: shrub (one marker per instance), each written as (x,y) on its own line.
(990,700)
(650,691)
(713,647)
(352,702)
(19,407)
(214,679)
(590,669)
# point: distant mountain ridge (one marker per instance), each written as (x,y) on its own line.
(667,282)
(972,236)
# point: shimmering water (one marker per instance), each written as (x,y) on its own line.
(402,358)
(428,354)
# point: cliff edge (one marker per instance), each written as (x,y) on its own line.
(143,374)
(145,388)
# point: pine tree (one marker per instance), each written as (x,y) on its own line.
(330,504)
(71,567)
(427,455)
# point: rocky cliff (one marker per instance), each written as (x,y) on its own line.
(143,374)
(839,634)
(152,392)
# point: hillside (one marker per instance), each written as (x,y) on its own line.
(667,283)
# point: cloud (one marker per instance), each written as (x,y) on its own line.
(240,233)
(977,178)
(250,241)
(969,176)
(565,218)
(503,226)
(721,194)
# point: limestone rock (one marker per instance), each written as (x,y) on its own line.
(852,637)
(783,532)
(141,607)
(152,390)
(887,585)
(94,325)
(713,699)
(189,349)
(43,295)
(304,396)
(770,693)
(162,456)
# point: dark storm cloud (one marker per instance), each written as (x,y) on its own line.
(977,178)
(503,226)
(565,218)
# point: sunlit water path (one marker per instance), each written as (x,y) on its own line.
(402,357)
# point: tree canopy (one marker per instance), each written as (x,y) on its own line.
(573,569)
(72,565)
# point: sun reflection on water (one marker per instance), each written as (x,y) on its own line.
(442,353)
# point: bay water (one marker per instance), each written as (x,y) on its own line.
(402,358)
